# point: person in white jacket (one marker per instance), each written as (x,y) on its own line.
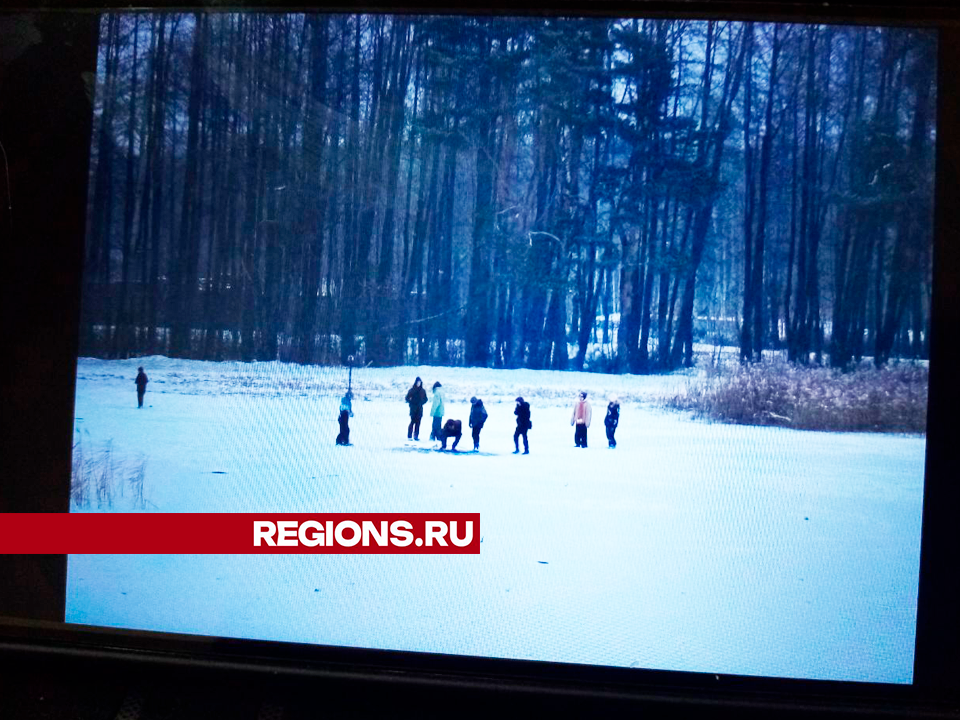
(580,420)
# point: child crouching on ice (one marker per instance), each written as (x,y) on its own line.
(452,428)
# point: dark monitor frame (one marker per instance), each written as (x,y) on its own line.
(41,285)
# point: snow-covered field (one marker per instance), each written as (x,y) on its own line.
(692,546)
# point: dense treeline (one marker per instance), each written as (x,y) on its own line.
(550,193)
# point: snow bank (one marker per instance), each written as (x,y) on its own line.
(277,379)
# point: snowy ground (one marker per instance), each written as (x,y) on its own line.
(692,546)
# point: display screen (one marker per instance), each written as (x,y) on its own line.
(670,280)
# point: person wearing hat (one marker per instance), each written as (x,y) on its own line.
(436,412)
(416,399)
(612,420)
(346,412)
(141,382)
(478,416)
(581,420)
(522,412)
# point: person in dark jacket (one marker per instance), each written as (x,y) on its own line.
(612,420)
(522,412)
(416,399)
(478,416)
(346,412)
(141,386)
(454,429)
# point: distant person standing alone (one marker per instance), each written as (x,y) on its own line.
(416,399)
(141,386)
(581,420)
(436,412)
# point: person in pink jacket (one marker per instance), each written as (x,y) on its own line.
(581,420)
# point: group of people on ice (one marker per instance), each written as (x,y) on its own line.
(416,399)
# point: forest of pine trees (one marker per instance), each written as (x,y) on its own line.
(535,192)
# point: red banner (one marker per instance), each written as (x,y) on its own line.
(239,533)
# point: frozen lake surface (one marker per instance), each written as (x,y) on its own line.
(693,546)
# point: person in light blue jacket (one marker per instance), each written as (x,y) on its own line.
(436,412)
